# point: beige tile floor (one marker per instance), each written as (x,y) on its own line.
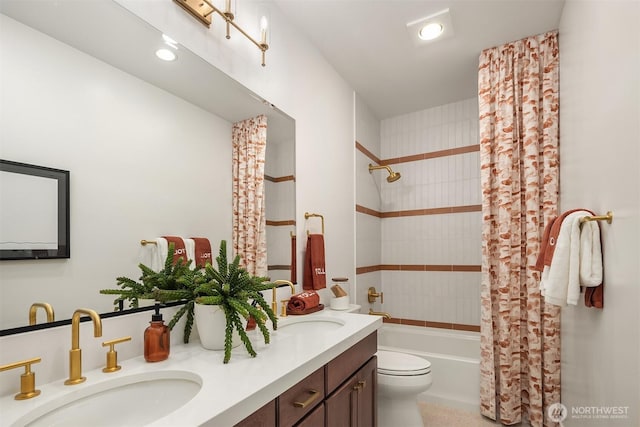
(435,415)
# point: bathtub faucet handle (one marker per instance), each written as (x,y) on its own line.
(373,294)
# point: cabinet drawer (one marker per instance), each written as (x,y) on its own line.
(314,419)
(343,366)
(263,417)
(300,399)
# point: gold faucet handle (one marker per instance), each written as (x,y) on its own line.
(283,312)
(112,355)
(27,380)
(372,295)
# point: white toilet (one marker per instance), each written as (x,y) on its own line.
(401,377)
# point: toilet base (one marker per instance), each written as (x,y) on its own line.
(399,412)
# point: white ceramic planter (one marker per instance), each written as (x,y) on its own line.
(210,323)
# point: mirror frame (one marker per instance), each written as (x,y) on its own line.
(63,249)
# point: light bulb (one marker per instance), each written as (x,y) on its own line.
(431,31)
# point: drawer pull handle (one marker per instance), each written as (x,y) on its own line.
(314,394)
(361,384)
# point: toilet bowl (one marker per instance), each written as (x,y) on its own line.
(401,377)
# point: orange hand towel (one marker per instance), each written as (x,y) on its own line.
(314,268)
(179,250)
(594,296)
(303,301)
(202,252)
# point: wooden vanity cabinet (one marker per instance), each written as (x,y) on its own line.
(339,394)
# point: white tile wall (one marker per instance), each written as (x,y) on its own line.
(452,297)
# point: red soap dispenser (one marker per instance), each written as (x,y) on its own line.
(156,339)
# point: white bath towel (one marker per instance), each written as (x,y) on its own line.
(590,255)
(560,284)
(159,253)
(190,246)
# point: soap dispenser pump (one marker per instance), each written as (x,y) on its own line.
(156,338)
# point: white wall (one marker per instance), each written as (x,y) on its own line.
(368,227)
(299,81)
(599,154)
(137,157)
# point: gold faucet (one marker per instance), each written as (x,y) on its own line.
(379,313)
(34,308)
(274,301)
(75,354)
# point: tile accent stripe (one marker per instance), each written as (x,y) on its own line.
(419,267)
(420,212)
(429,324)
(367,153)
(279,267)
(279,178)
(431,155)
(280,223)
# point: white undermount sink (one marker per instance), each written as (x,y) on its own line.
(128,400)
(310,325)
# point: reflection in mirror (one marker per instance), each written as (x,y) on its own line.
(148,144)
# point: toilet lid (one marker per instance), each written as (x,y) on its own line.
(401,364)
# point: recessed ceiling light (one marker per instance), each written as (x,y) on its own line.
(431,31)
(165,55)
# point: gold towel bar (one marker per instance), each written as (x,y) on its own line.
(308,215)
(148,242)
(608,217)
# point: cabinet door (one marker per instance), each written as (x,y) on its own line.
(367,385)
(353,404)
(342,405)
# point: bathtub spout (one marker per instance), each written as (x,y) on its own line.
(379,313)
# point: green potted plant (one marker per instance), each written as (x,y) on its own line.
(166,283)
(233,293)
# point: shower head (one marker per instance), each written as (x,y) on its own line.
(393,176)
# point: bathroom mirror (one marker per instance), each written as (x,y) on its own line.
(120,39)
(34,211)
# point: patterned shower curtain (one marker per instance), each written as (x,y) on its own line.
(520,334)
(249,139)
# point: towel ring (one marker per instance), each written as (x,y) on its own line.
(308,215)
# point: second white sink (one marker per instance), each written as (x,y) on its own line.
(310,325)
(132,400)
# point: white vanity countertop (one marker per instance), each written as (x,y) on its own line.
(233,391)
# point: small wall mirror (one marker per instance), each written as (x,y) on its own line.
(34,211)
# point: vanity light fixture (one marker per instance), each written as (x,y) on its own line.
(202,10)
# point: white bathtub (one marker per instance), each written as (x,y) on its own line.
(454,357)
